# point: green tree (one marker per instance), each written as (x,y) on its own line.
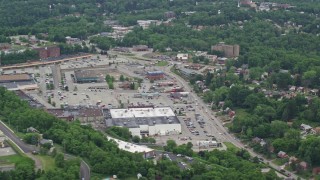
(136,139)
(171,144)
(59,160)
(122,78)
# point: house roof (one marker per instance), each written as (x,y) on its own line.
(45,141)
(305,126)
(303,163)
(281,153)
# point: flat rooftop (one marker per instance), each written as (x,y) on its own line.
(142,112)
(83,112)
(14,77)
(17,85)
(85,74)
(130,147)
(137,122)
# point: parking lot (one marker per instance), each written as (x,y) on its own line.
(56,83)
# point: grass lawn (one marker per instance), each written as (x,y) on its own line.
(13,159)
(279,161)
(156,147)
(162,63)
(47,162)
(231,147)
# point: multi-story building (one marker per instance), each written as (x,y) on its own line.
(155,75)
(229,51)
(46,52)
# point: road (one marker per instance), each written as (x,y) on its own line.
(27,149)
(23,147)
(223,134)
(84,168)
(84,171)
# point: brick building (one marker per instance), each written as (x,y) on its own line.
(155,75)
(46,52)
(229,51)
(140,48)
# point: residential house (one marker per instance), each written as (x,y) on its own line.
(46,141)
(256,140)
(303,165)
(317,130)
(259,141)
(70,40)
(195,66)
(232,114)
(245,2)
(221,104)
(316,171)
(264,7)
(170,14)
(282,154)
(305,127)
(293,159)
(263,143)
(314,92)
(32,130)
(292,88)
(222,60)
(146,23)
(168,49)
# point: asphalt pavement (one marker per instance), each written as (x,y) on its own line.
(84,171)
(24,147)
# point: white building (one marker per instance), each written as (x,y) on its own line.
(207,144)
(182,57)
(133,148)
(146,23)
(145,121)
